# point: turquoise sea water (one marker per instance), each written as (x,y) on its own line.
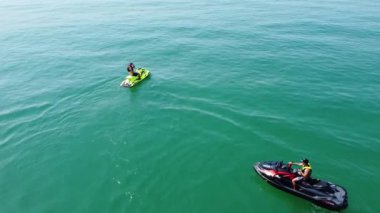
(233,83)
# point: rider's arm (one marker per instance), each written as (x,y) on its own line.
(298,164)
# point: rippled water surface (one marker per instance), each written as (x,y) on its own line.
(233,83)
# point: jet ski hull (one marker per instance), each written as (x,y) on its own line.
(321,193)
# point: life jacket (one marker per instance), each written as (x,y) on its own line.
(307,167)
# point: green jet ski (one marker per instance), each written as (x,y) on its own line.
(131,81)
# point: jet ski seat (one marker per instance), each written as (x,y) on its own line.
(312,181)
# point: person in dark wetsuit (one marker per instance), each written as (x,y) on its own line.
(304,172)
(131,71)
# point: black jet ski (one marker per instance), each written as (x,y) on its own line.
(321,193)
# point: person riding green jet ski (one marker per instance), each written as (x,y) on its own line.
(132,72)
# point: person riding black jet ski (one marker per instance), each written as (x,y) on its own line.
(304,172)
